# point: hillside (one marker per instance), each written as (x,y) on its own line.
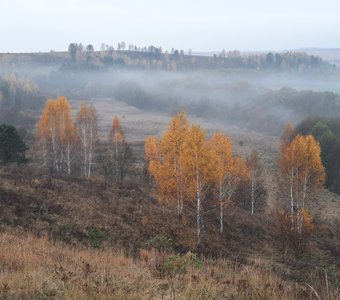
(330,54)
(79,58)
(37,268)
(124,218)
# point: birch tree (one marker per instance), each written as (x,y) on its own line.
(171,147)
(120,152)
(65,133)
(56,131)
(228,173)
(47,133)
(116,138)
(151,154)
(70,152)
(303,170)
(87,128)
(198,167)
(255,172)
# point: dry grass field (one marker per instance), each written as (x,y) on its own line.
(36,268)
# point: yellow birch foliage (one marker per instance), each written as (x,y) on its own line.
(307,219)
(230,170)
(302,168)
(56,118)
(116,123)
(301,159)
(172,179)
(287,135)
(64,120)
(151,153)
(313,169)
(46,121)
(199,163)
(56,128)
(116,131)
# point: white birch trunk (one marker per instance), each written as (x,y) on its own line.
(45,153)
(292,196)
(252,192)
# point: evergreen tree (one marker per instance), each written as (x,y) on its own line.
(12,147)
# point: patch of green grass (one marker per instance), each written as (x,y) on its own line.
(97,237)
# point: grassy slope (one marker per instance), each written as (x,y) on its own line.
(36,268)
(69,210)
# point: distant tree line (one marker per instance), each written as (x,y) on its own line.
(152,57)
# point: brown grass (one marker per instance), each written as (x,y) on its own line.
(36,268)
(69,210)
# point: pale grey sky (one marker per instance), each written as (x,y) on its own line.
(203,25)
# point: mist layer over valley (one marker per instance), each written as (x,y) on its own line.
(261,100)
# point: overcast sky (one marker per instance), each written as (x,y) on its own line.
(203,25)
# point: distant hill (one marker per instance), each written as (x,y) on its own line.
(330,54)
(80,59)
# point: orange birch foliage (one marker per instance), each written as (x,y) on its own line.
(302,167)
(66,136)
(64,119)
(56,130)
(306,219)
(151,149)
(117,139)
(198,166)
(151,153)
(186,167)
(171,150)
(116,124)
(157,168)
(287,135)
(116,132)
(47,132)
(229,171)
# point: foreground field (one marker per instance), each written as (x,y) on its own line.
(36,268)
(93,245)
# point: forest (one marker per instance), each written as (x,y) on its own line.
(137,173)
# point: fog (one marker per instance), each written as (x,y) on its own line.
(255,99)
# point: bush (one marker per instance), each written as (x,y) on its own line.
(97,237)
(160,243)
(296,235)
(179,264)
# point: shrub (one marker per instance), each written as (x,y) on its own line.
(295,235)
(179,264)
(97,237)
(160,243)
